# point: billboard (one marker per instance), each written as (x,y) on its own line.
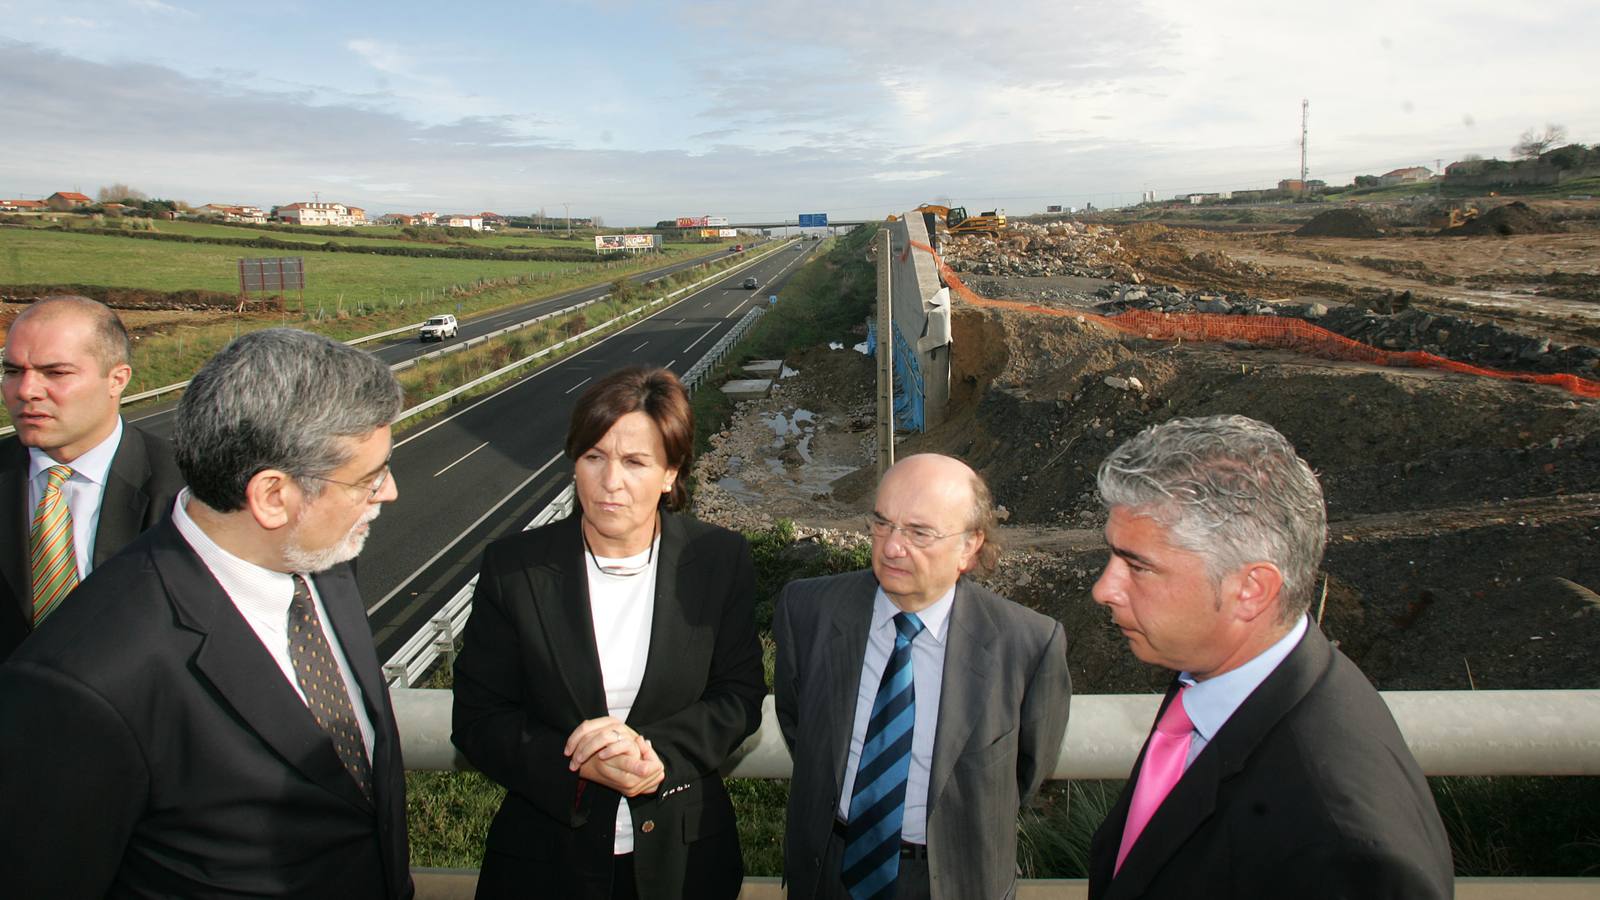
(1053,208)
(813,220)
(605,243)
(693,221)
(727,232)
(285,273)
(718,221)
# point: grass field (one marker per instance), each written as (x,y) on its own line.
(29,256)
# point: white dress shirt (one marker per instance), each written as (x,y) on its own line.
(1212,702)
(623,610)
(83,492)
(927,675)
(262,597)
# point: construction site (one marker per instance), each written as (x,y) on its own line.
(1438,370)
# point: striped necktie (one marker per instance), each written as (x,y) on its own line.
(878,799)
(55,562)
(327,695)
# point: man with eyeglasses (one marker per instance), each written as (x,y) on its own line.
(207,716)
(921,709)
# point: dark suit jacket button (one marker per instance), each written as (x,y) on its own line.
(648,826)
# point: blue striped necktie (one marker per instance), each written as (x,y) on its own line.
(878,800)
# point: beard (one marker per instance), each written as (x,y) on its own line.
(305,559)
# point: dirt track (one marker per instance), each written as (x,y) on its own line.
(1465,511)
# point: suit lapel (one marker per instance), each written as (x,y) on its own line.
(670,618)
(123,503)
(968,666)
(244,675)
(568,623)
(14,552)
(851,617)
(1194,797)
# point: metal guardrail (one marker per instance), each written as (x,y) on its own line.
(1450,732)
(437,639)
(719,351)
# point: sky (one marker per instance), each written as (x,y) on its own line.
(636,111)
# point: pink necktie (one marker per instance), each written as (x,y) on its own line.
(1163,766)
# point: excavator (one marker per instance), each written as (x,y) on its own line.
(956,220)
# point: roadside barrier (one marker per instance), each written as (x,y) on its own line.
(1284,333)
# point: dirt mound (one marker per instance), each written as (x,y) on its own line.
(1513,218)
(1348,223)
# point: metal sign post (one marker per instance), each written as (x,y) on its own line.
(885,330)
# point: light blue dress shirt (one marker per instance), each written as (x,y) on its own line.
(927,673)
(1210,703)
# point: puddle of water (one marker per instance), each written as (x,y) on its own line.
(776,465)
(739,490)
(805,449)
(804,415)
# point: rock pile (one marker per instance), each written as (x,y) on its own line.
(1169,299)
(1344,223)
(1059,248)
(1513,218)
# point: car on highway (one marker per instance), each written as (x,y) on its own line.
(751,283)
(438,328)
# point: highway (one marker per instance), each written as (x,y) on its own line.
(483,471)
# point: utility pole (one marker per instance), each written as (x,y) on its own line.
(1305,130)
(568,208)
(885,331)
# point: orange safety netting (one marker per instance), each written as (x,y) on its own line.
(1284,333)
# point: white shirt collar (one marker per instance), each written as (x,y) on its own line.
(93,465)
(253,589)
(1211,702)
(935,619)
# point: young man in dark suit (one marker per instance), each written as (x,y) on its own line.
(73,462)
(206,717)
(1274,769)
(921,709)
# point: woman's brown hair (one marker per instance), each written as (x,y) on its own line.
(655,392)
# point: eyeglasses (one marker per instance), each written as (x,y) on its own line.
(373,486)
(918,536)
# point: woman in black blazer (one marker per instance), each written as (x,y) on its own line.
(610,666)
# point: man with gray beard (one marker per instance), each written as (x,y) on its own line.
(207,717)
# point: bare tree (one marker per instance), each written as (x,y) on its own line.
(114,193)
(1534,144)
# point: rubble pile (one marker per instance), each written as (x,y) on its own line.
(1513,218)
(1345,223)
(1059,248)
(1408,328)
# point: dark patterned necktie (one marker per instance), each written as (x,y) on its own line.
(878,799)
(327,696)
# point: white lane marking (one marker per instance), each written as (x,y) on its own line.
(450,546)
(669,364)
(680,322)
(638,348)
(705,304)
(735,309)
(700,338)
(578,385)
(468,453)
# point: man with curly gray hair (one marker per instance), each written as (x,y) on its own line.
(1274,768)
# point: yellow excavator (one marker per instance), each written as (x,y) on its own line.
(956,220)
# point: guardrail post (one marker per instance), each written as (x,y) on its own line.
(444,640)
(396,674)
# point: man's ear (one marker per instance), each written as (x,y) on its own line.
(120,375)
(970,561)
(1259,585)
(272,498)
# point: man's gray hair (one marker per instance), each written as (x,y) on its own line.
(278,399)
(1229,489)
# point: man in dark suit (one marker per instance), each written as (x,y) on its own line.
(207,716)
(1274,769)
(921,710)
(66,366)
